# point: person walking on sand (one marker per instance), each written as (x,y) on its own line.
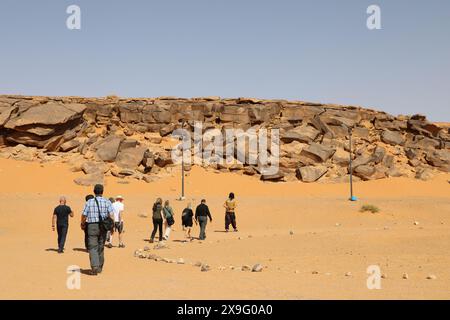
(61,219)
(169,219)
(95,214)
(110,232)
(87,198)
(230,215)
(157,220)
(187,220)
(201,216)
(118,208)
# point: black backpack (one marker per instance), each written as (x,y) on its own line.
(106,224)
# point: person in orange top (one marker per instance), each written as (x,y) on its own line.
(230,214)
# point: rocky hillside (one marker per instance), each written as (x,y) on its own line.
(129,138)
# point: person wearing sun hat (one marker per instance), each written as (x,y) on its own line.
(118,208)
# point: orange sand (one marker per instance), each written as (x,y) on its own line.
(330,237)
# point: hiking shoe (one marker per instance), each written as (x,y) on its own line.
(235,230)
(109,245)
(151,240)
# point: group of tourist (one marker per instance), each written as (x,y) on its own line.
(102,218)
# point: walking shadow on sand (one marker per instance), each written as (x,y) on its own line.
(80,250)
(51,250)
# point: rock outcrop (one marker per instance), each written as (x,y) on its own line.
(130,137)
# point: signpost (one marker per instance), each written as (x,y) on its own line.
(352,197)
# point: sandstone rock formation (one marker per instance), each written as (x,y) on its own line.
(130,137)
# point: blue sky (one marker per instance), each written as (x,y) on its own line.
(307,50)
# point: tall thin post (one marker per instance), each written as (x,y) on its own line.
(352,197)
(182,164)
(182,173)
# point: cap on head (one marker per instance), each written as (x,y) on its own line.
(98,190)
(119,198)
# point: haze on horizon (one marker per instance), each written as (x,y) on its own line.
(318,51)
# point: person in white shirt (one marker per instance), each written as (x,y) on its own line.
(118,208)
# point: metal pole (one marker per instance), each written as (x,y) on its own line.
(182,164)
(352,197)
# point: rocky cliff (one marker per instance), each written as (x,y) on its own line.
(127,138)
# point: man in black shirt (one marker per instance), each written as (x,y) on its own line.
(61,219)
(201,215)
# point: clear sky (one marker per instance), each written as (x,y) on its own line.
(314,50)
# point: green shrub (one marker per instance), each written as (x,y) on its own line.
(369,207)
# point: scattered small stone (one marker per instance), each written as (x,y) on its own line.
(431,277)
(146,249)
(198,264)
(291,233)
(405,276)
(416,223)
(296,271)
(166,260)
(239,238)
(338,224)
(348,274)
(205,268)
(161,245)
(142,215)
(384,276)
(250,236)
(142,256)
(245,268)
(315,272)
(136,253)
(257,268)
(180,261)
(221,268)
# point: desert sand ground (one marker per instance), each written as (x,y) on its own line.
(330,237)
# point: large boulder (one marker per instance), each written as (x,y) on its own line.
(439,159)
(318,152)
(91,167)
(108,149)
(311,173)
(131,158)
(392,137)
(301,134)
(46,115)
(279,176)
(341,157)
(90,179)
(364,172)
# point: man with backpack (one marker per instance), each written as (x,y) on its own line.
(97,219)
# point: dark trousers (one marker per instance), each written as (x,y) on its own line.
(86,238)
(202,221)
(62,234)
(230,218)
(96,245)
(157,224)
